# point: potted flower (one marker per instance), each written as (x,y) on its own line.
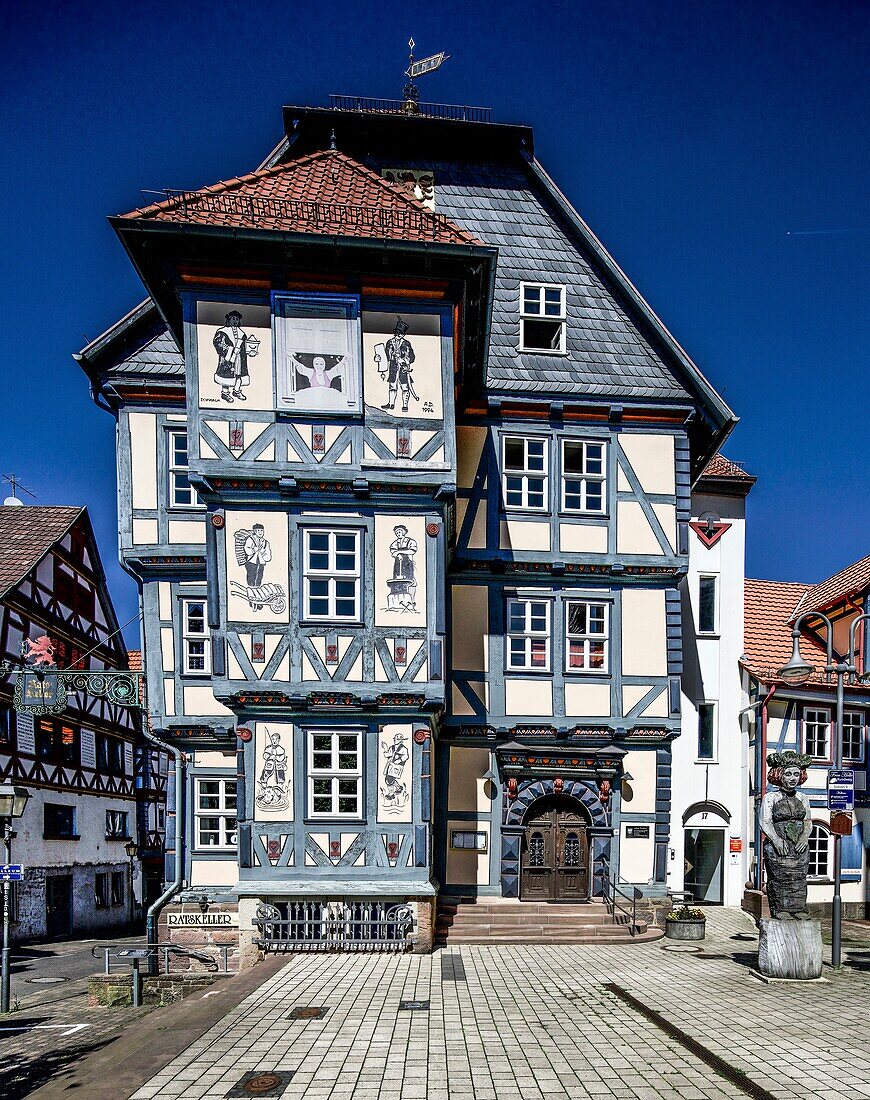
(683,923)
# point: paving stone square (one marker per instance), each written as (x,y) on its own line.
(638,1022)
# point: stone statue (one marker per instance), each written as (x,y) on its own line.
(786,824)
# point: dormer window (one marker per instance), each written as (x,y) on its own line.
(542,318)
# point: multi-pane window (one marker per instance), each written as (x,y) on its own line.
(707,605)
(334,774)
(542,318)
(528,634)
(101,890)
(58,822)
(110,754)
(817,732)
(181,493)
(7,723)
(332,570)
(216,813)
(57,742)
(583,476)
(116,825)
(195,645)
(707,731)
(524,472)
(118,887)
(853,735)
(585,636)
(820,853)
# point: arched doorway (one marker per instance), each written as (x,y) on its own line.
(555,852)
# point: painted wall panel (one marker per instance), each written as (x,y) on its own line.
(528,697)
(582,538)
(400,570)
(395,767)
(469,448)
(143,459)
(524,535)
(467,789)
(184,530)
(639,793)
(667,517)
(167,647)
(273,756)
(587,700)
(470,636)
(644,640)
(256,556)
(652,459)
(199,699)
(234,359)
(634,535)
(213,872)
(145,532)
(382,358)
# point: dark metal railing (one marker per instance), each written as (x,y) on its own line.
(457,111)
(338,217)
(621,899)
(134,953)
(334,926)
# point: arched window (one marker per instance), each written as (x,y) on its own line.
(536,850)
(820,853)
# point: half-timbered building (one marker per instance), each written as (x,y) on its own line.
(79,765)
(405,472)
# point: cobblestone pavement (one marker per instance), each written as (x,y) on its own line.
(642,1021)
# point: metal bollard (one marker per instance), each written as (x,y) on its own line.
(137,984)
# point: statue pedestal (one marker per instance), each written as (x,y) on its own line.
(790,949)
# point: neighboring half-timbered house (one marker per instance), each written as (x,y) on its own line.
(79,765)
(405,470)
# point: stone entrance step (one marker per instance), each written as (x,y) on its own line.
(504,920)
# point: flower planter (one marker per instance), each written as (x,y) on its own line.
(685,929)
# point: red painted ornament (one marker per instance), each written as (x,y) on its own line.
(217,520)
(421,736)
(244,734)
(432,529)
(558,784)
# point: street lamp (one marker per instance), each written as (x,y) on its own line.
(797,671)
(132,850)
(12,803)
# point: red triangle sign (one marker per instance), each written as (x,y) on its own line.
(710,533)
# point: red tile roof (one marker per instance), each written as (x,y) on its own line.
(850,581)
(26,535)
(325,193)
(134,659)
(768,607)
(720,466)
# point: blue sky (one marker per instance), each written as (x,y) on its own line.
(720,150)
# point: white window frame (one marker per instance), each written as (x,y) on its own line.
(584,478)
(528,634)
(227,834)
(587,638)
(714,751)
(334,773)
(188,636)
(525,473)
(714,577)
(541,315)
(332,575)
(854,720)
(175,468)
(122,817)
(818,831)
(815,721)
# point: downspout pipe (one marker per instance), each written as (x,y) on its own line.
(180,816)
(761,783)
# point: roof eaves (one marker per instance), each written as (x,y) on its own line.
(34,562)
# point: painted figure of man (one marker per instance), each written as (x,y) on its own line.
(258,551)
(273,776)
(234,347)
(398,373)
(403,584)
(318,374)
(395,791)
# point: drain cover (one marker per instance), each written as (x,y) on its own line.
(262,1083)
(308,1012)
(46,981)
(685,947)
(414,1006)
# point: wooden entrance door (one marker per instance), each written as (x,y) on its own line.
(58,906)
(555,864)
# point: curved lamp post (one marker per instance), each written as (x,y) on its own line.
(13,800)
(798,671)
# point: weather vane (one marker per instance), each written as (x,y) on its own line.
(411,93)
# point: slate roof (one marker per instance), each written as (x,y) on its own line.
(607,354)
(852,580)
(768,608)
(324,193)
(27,533)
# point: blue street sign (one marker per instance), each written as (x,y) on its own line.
(841,790)
(11,872)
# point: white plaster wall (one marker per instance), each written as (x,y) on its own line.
(712,675)
(31,848)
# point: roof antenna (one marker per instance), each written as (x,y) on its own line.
(13,501)
(411,93)
(332,142)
